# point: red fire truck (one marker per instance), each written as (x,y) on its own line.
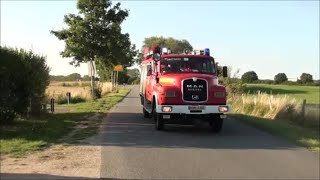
(182,88)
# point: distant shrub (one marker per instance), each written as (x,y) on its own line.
(293,83)
(97,90)
(62,99)
(75,84)
(249,77)
(65,84)
(263,81)
(233,85)
(280,78)
(77,99)
(306,78)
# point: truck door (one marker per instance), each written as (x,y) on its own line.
(148,84)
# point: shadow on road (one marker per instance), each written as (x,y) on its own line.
(132,130)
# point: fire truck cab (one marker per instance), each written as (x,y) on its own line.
(181,88)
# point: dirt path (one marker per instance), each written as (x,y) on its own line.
(67,161)
(57,162)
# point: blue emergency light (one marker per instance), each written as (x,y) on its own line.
(207,51)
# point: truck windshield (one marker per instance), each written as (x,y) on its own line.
(185,65)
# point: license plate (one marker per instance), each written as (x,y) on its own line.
(197,107)
(166,116)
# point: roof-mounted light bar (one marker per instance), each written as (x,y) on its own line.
(156,49)
(205,52)
(164,50)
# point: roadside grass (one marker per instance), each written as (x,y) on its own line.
(278,109)
(286,129)
(310,93)
(29,135)
(100,105)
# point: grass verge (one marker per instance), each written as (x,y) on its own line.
(28,135)
(298,135)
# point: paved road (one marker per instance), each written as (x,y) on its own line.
(132,149)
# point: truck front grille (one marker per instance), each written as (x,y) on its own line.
(195,90)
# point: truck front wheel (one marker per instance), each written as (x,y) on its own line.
(216,124)
(145,113)
(158,120)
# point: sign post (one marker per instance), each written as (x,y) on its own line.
(117,68)
(52,105)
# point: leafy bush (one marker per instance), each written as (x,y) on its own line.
(24,78)
(73,100)
(232,83)
(306,78)
(75,84)
(97,92)
(249,77)
(280,78)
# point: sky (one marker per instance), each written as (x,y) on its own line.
(267,37)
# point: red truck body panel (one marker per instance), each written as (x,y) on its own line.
(153,87)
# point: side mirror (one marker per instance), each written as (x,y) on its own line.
(225,71)
(156,57)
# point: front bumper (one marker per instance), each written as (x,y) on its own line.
(193,109)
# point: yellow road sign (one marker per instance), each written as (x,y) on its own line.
(118,68)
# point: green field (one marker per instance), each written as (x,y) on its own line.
(310,93)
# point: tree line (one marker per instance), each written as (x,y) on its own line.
(128,76)
(280,78)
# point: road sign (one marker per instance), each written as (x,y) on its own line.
(118,68)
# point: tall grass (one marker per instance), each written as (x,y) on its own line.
(276,107)
(83,90)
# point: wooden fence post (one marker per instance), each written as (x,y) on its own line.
(303,111)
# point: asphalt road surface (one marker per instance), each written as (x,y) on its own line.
(133,149)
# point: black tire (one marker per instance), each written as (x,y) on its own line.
(216,125)
(158,121)
(145,113)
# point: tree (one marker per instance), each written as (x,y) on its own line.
(175,45)
(133,72)
(249,77)
(104,70)
(280,78)
(306,78)
(95,34)
(123,77)
(134,75)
